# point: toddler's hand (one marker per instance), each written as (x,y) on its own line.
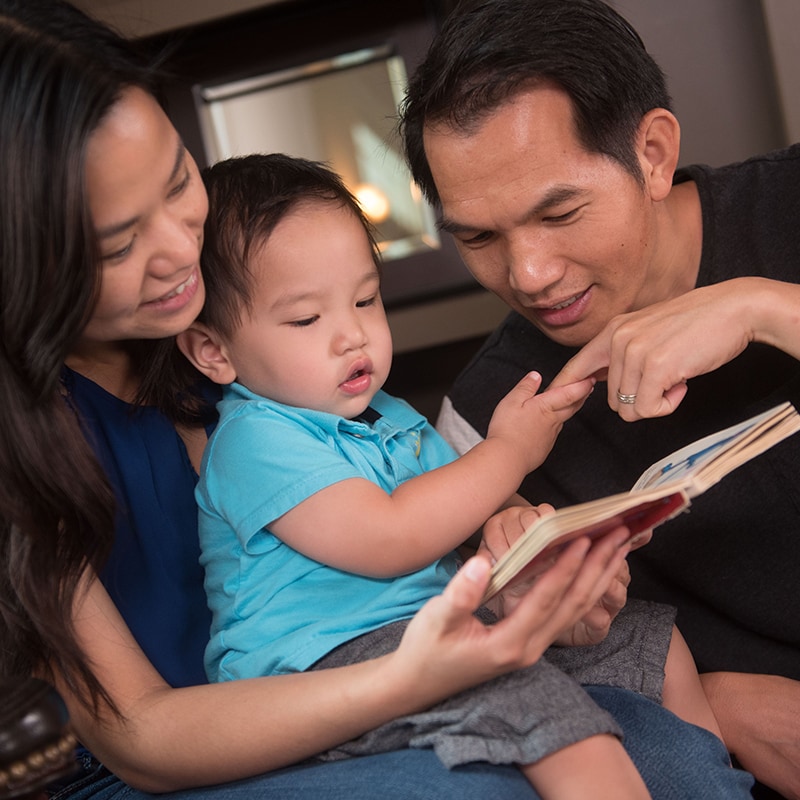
(529,422)
(505,527)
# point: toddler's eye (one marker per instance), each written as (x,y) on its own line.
(303,323)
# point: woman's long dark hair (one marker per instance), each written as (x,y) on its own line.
(60,73)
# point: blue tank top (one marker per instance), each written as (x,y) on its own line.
(153,574)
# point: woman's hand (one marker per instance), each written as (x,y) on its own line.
(503,529)
(446,649)
(650,354)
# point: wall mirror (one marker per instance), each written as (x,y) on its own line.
(341,111)
(320,79)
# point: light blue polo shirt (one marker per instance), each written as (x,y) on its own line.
(274,610)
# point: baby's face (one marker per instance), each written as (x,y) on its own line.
(317,336)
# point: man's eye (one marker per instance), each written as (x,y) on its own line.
(477,239)
(566,217)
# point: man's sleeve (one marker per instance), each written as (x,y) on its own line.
(455,429)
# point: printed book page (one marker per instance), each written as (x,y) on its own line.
(664,490)
(706,461)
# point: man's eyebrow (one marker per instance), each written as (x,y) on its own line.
(119,227)
(553,197)
(556,195)
(451,226)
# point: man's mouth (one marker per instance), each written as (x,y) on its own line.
(545,305)
(565,312)
(564,304)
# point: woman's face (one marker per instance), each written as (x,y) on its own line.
(148,205)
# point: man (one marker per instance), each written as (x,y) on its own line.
(543,131)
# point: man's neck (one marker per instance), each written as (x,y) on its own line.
(679,244)
(682,239)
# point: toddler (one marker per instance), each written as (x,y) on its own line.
(330,511)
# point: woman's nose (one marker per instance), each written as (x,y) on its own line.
(178,247)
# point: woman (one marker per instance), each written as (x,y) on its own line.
(102,218)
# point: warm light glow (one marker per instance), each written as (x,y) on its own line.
(373,201)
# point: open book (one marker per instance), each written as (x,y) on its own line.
(663,491)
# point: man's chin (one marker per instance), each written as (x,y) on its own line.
(568,335)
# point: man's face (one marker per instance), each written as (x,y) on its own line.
(563,236)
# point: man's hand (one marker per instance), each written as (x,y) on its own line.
(650,354)
(760,720)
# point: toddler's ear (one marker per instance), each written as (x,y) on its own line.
(207,352)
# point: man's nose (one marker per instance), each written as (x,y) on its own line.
(532,266)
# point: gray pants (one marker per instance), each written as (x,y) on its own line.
(520,717)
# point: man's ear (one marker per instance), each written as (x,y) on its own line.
(206,350)
(658,144)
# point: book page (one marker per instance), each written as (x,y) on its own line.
(638,512)
(664,490)
(727,449)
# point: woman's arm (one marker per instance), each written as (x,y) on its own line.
(166,738)
(356,526)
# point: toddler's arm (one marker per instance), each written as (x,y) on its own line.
(356,526)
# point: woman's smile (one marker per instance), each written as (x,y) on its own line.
(180,296)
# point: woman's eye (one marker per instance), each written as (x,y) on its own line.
(369,301)
(118,255)
(179,188)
